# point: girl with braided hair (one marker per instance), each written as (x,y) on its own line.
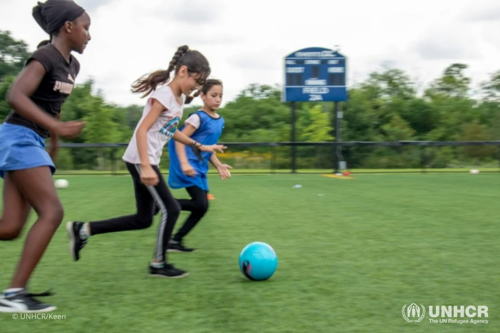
(36,98)
(159,122)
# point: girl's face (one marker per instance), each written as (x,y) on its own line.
(189,82)
(213,98)
(78,32)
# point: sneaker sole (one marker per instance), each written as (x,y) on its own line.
(179,251)
(170,277)
(71,236)
(10,310)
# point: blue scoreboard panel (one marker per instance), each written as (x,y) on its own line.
(315,74)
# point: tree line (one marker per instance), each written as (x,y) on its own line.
(387,106)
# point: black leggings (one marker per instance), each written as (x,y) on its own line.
(198,206)
(149,200)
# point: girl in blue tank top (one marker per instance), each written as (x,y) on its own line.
(187,171)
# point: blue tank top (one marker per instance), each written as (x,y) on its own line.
(208,133)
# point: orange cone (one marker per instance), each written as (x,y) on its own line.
(210,197)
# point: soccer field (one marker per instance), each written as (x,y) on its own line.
(351,254)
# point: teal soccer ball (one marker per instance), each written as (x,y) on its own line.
(258,261)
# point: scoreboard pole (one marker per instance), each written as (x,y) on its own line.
(294,148)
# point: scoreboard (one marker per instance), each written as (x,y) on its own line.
(315,74)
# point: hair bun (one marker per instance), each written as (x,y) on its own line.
(183,49)
(38,16)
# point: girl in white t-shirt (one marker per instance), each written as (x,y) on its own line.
(159,122)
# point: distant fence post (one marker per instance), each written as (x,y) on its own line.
(498,158)
(422,158)
(113,161)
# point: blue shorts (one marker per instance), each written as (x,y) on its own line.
(21,149)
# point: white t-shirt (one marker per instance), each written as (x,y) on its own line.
(194,120)
(162,130)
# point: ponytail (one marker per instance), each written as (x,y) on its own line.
(43,43)
(147,85)
(204,89)
(189,99)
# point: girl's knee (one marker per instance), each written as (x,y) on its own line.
(174,208)
(144,221)
(8,233)
(52,212)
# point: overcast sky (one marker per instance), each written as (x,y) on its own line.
(246,41)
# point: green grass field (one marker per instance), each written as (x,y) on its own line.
(301,171)
(351,254)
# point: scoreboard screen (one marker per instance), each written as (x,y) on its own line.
(315,74)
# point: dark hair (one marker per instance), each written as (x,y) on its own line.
(209,84)
(53,14)
(195,62)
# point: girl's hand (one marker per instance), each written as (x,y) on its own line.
(223,170)
(187,169)
(212,149)
(149,176)
(70,129)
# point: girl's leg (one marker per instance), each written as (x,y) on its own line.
(170,210)
(198,206)
(36,186)
(15,211)
(78,232)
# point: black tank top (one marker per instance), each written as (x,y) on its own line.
(55,87)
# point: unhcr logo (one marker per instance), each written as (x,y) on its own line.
(446,314)
(413,313)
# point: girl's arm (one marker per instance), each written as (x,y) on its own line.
(54,142)
(183,138)
(18,98)
(148,175)
(215,161)
(223,169)
(180,149)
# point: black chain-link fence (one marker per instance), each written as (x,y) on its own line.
(310,157)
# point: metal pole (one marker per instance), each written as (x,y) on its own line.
(337,134)
(422,158)
(294,148)
(499,158)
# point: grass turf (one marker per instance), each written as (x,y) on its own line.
(351,254)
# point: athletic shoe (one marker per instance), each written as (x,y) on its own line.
(76,242)
(167,271)
(23,302)
(177,246)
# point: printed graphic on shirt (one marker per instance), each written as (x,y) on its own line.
(170,128)
(64,87)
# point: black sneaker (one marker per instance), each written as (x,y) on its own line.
(76,243)
(176,246)
(167,271)
(23,302)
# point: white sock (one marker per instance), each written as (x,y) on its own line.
(12,291)
(84,233)
(157,264)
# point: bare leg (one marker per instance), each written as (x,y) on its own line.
(37,187)
(15,211)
